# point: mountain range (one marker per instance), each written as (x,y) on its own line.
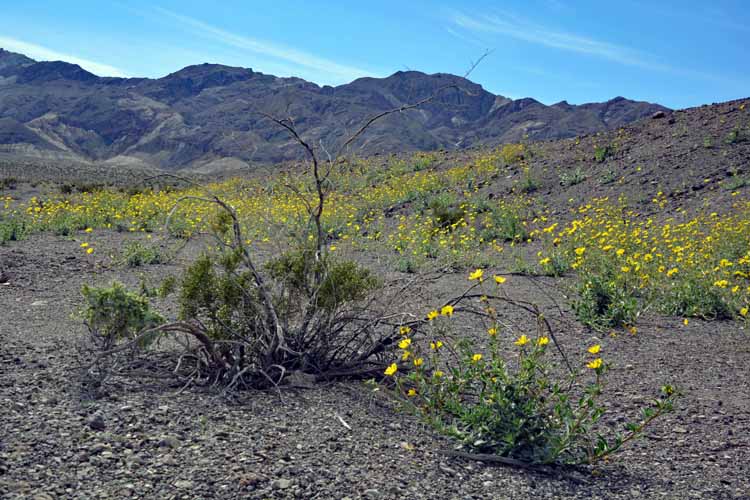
(210,116)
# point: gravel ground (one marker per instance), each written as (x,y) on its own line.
(335,441)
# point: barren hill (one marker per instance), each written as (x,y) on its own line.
(207,115)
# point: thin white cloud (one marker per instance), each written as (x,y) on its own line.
(467,39)
(328,70)
(44,54)
(509,25)
(513,26)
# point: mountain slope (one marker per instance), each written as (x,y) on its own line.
(209,113)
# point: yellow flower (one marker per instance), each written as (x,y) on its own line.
(405,356)
(625,269)
(542,341)
(499,279)
(594,349)
(597,363)
(672,272)
(436,345)
(743,312)
(418,362)
(685,322)
(84,245)
(476,358)
(437,374)
(447,310)
(522,340)
(89,250)
(411,393)
(88,230)
(580,251)
(492,331)
(544,261)
(391,369)
(432,315)
(404,344)
(332,248)
(721,283)
(404,330)
(476,275)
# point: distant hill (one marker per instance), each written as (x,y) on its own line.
(207,115)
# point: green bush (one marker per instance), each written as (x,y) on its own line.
(12,230)
(609,177)
(504,224)
(573,178)
(734,136)
(601,153)
(737,182)
(136,254)
(604,302)
(407,265)
(114,313)
(693,296)
(557,264)
(343,281)
(529,183)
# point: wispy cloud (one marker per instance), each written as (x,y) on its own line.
(467,39)
(44,54)
(326,69)
(515,27)
(508,24)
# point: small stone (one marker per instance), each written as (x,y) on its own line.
(281,484)
(371,493)
(183,484)
(168,442)
(96,422)
(446,470)
(680,430)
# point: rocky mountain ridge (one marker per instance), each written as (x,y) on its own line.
(209,116)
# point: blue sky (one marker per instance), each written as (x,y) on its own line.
(678,53)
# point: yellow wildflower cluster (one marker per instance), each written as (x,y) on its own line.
(686,265)
(362,211)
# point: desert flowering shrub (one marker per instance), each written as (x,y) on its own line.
(533,405)
(114,314)
(12,230)
(513,153)
(687,265)
(136,254)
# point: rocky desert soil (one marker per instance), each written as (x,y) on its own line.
(149,440)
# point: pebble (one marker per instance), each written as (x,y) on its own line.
(169,442)
(96,422)
(281,484)
(371,493)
